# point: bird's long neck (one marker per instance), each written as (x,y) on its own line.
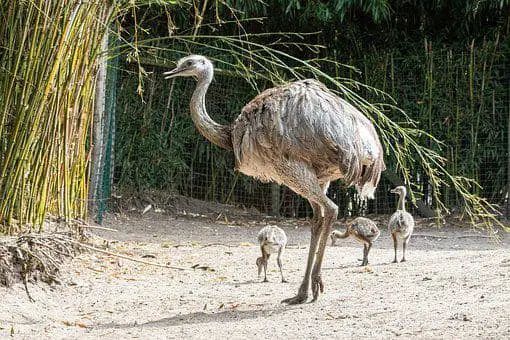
(339,234)
(214,132)
(401,205)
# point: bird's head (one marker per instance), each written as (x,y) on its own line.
(401,190)
(191,66)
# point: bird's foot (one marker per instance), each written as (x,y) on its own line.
(300,298)
(265,280)
(403,260)
(284,281)
(317,287)
(394,261)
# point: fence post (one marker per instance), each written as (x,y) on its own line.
(97,131)
(275,199)
(508,157)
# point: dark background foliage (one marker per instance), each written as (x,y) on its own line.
(446,63)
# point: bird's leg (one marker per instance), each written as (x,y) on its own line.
(368,250)
(333,239)
(303,180)
(302,295)
(394,236)
(330,214)
(317,217)
(404,246)
(266,260)
(279,261)
(303,289)
(365,255)
(259,266)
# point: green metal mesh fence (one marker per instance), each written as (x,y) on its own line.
(460,97)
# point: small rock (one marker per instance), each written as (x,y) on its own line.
(460,317)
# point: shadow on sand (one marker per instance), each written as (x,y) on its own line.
(202,317)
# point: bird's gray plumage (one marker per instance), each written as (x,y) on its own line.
(272,240)
(301,135)
(401,223)
(306,122)
(361,229)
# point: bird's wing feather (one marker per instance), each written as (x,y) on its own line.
(305,121)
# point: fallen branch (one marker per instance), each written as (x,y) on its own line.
(98,227)
(217,244)
(125,257)
(453,237)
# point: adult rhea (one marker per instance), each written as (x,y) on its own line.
(301,135)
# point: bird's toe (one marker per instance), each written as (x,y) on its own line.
(317,287)
(300,298)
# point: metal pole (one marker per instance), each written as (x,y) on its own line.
(508,158)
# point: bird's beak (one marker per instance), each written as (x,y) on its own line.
(393,191)
(173,73)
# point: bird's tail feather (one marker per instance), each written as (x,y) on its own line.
(370,178)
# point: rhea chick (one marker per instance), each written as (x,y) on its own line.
(361,229)
(272,239)
(401,224)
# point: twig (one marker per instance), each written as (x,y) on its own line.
(24,272)
(382,312)
(475,236)
(127,257)
(51,248)
(25,283)
(61,240)
(98,227)
(451,237)
(52,261)
(216,244)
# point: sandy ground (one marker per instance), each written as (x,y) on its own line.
(455,284)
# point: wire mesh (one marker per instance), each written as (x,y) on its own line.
(461,98)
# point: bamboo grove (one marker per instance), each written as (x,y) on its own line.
(47,84)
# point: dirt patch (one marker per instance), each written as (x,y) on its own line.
(454,285)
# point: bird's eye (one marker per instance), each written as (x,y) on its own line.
(189,63)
